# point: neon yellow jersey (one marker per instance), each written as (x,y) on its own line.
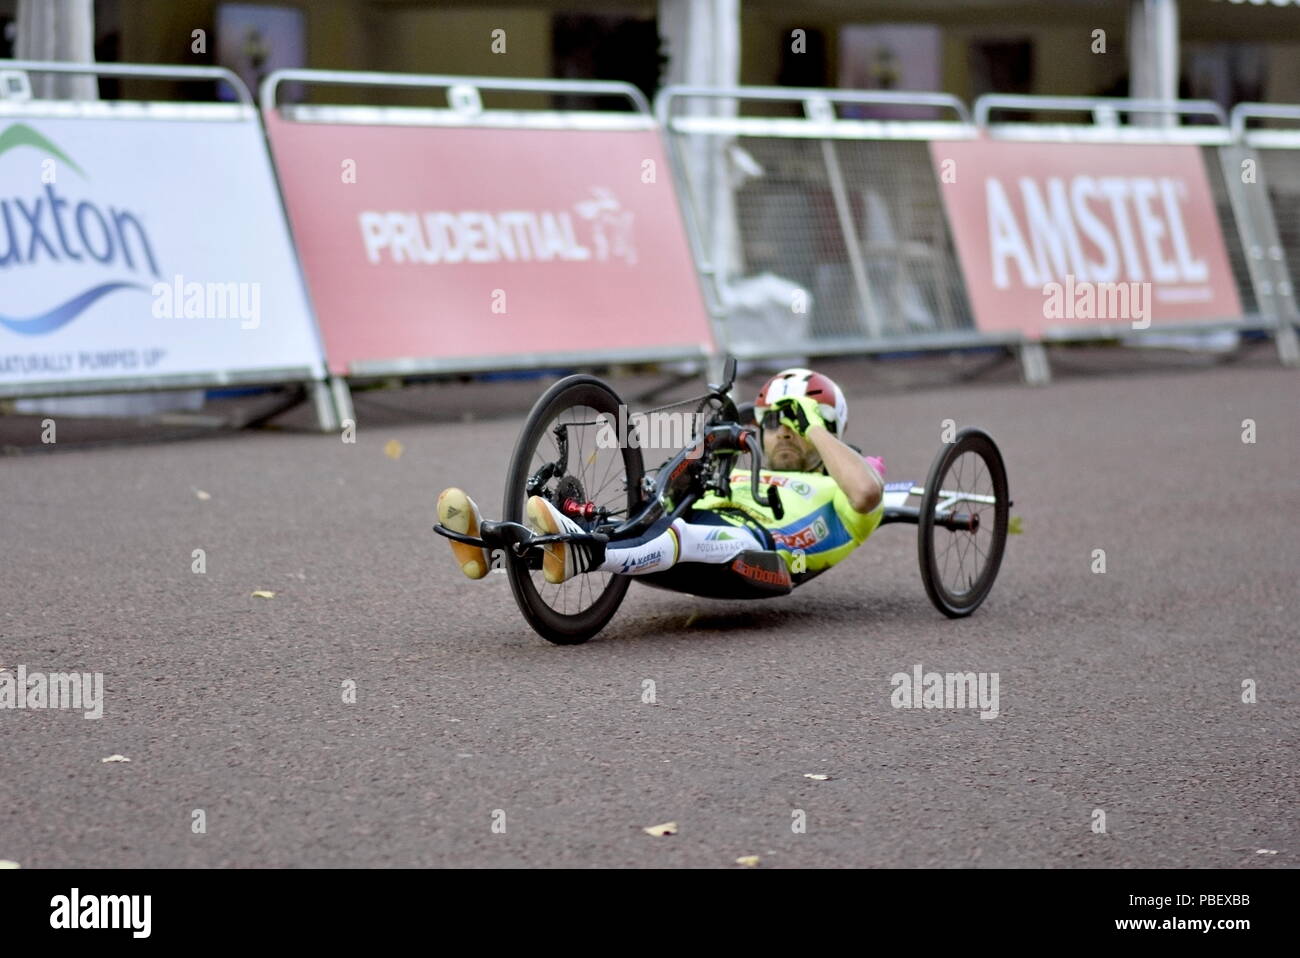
(818,520)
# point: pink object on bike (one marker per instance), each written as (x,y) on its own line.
(877,464)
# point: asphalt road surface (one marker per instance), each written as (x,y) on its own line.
(1120,692)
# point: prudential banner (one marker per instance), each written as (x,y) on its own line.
(144,249)
(436,246)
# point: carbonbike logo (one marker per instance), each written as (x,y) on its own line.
(48,228)
(512,236)
(656,430)
(949,690)
(759,574)
(75,911)
(1145,223)
(81,691)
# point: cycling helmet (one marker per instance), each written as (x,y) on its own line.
(805,382)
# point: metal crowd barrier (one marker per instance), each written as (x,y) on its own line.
(819,228)
(1106,114)
(1270,217)
(1248,229)
(1108,126)
(815,220)
(622,290)
(165,224)
(818,231)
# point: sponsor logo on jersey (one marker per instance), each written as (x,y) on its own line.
(827,530)
(804,538)
(629,564)
(796,485)
(721,548)
(720,542)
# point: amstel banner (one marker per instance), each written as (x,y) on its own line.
(1064,235)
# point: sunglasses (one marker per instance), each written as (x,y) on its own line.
(771,421)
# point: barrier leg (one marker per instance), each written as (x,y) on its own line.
(1288,346)
(1033,364)
(342,401)
(326,418)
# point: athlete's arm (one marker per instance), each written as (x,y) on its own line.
(851,472)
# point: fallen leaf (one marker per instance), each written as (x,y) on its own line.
(658,831)
(393,449)
(6,863)
(115,758)
(749,861)
(263,594)
(202,495)
(816,776)
(1014,528)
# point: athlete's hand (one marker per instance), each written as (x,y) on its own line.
(800,413)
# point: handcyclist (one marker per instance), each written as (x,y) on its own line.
(831,495)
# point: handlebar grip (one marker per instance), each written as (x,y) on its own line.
(774,502)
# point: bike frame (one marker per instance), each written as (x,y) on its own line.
(684,480)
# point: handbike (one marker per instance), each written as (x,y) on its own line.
(961,517)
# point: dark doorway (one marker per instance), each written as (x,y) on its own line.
(605,47)
(1002,66)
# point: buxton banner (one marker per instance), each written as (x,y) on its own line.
(425,245)
(144,249)
(1057,235)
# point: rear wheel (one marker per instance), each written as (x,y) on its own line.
(958,566)
(558,456)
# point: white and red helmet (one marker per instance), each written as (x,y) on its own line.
(805,382)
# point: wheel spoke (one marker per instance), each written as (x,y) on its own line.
(967,576)
(961,563)
(582,465)
(943,576)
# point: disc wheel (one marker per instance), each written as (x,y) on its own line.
(561,457)
(958,566)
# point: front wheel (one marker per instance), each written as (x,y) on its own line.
(963,523)
(562,455)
